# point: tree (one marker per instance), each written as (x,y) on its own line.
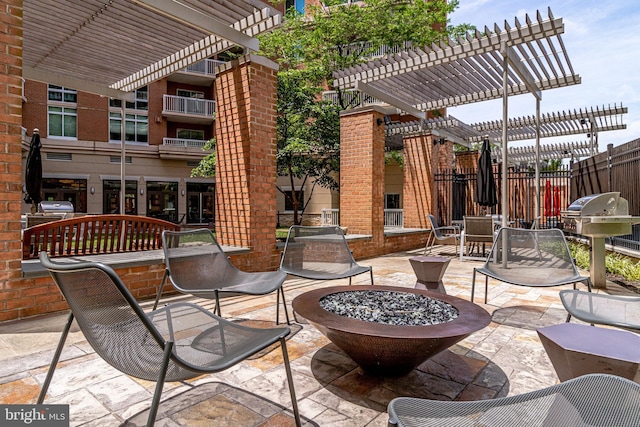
(308,48)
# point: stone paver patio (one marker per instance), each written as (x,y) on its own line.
(506,358)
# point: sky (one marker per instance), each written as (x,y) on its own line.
(602,39)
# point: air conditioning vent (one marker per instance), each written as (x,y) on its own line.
(116,159)
(192,163)
(62,157)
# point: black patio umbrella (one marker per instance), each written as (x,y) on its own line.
(33,172)
(485,194)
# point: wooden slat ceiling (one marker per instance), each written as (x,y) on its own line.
(470,69)
(108,46)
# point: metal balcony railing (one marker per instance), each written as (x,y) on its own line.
(182,142)
(206,67)
(330,217)
(393,218)
(190,106)
(352,97)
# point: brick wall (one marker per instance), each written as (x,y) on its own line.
(246,163)
(13,292)
(93,123)
(35,107)
(157,124)
(362,173)
(418,184)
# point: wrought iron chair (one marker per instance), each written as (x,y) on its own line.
(622,311)
(319,253)
(197,265)
(529,258)
(174,343)
(589,400)
(441,234)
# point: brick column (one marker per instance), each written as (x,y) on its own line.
(246,158)
(362,172)
(13,294)
(418,184)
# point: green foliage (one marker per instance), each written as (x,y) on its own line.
(615,263)
(207,166)
(394,156)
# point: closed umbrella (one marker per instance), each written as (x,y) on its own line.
(556,201)
(33,172)
(547,199)
(485,194)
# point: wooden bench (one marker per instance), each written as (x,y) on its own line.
(95,235)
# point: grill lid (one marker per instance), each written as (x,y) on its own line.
(603,204)
(55,207)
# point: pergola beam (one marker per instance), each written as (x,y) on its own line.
(391,100)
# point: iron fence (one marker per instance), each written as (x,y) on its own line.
(455,196)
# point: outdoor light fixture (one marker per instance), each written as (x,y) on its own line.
(92,190)
(142,191)
(379,121)
(182,192)
(440,141)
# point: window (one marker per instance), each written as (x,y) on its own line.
(288,200)
(162,200)
(200,203)
(136,127)
(70,190)
(298,4)
(111,197)
(190,134)
(63,122)
(392,201)
(62,94)
(190,93)
(141,101)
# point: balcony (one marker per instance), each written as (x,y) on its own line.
(188,110)
(182,142)
(353,98)
(200,74)
(182,149)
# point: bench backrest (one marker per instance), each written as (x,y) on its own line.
(94,234)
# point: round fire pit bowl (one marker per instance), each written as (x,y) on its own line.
(384,349)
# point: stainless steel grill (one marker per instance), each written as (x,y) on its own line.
(599,216)
(62,207)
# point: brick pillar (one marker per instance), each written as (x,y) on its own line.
(418,184)
(13,296)
(246,158)
(362,173)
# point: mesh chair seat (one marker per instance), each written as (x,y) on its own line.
(614,310)
(590,400)
(197,265)
(319,253)
(440,233)
(530,258)
(177,342)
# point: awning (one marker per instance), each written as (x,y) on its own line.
(111,47)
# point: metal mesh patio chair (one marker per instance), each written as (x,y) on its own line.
(319,253)
(478,232)
(589,400)
(441,233)
(622,311)
(529,258)
(174,343)
(197,265)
